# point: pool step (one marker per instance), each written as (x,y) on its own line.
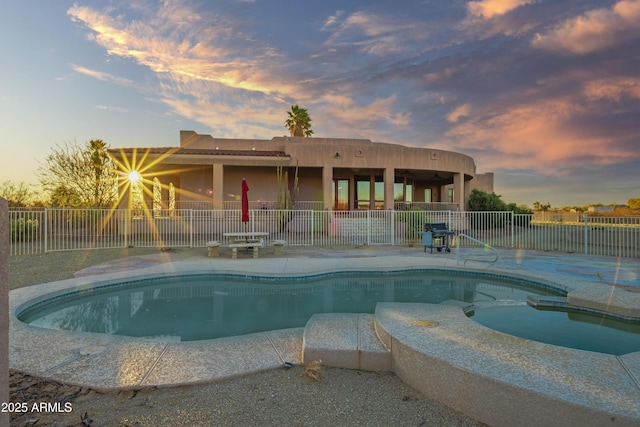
(547,301)
(345,340)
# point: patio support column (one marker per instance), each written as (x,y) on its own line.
(218,186)
(389,179)
(458,190)
(327,183)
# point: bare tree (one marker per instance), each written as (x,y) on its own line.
(18,195)
(80,176)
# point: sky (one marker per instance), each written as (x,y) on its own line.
(543,93)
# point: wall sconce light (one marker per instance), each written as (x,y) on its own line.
(337,155)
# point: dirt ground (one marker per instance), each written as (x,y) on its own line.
(287,397)
(279,397)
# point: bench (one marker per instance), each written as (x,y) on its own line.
(234,248)
(214,248)
(278,247)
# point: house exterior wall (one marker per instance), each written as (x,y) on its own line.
(483,182)
(195,184)
(263,185)
(211,169)
(341,153)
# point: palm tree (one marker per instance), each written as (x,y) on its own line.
(101,164)
(98,155)
(299,122)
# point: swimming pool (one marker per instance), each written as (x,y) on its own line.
(566,328)
(200,307)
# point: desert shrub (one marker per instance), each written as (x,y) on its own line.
(23,229)
(414,220)
(480,201)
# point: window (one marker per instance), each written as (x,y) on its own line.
(451,195)
(403,191)
(363,193)
(340,195)
(398,192)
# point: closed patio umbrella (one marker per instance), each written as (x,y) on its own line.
(245,201)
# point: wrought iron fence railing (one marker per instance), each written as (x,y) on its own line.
(44,230)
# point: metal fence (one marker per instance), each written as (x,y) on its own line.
(46,230)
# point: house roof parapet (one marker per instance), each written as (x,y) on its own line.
(201,151)
(334,152)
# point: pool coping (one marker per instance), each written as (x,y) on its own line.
(109,362)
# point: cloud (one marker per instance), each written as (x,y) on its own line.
(593,31)
(178,40)
(101,75)
(116,109)
(549,135)
(461,111)
(203,59)
(374,34)
(615,89)
(371,118)
(490,8)
(226,120)
(478,86)
(333,19)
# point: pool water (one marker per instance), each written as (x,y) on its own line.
(572,329)
(190,308)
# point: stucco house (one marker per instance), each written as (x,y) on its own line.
(333,173)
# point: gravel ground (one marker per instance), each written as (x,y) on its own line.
(279,397)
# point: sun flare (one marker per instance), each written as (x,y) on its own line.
(134,177)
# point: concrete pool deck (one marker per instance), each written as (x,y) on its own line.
(495,378)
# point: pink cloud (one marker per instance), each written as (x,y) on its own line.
(368,117)
(177,41)
(535,136)
(595,30)
(459,112)
(490,8)
(613,88)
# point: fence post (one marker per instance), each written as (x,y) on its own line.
(513,219)
(46,230)
(191,228)
(586,232)
(393,227)
(311,224)
(127,213)
(312,221)
(369,227)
